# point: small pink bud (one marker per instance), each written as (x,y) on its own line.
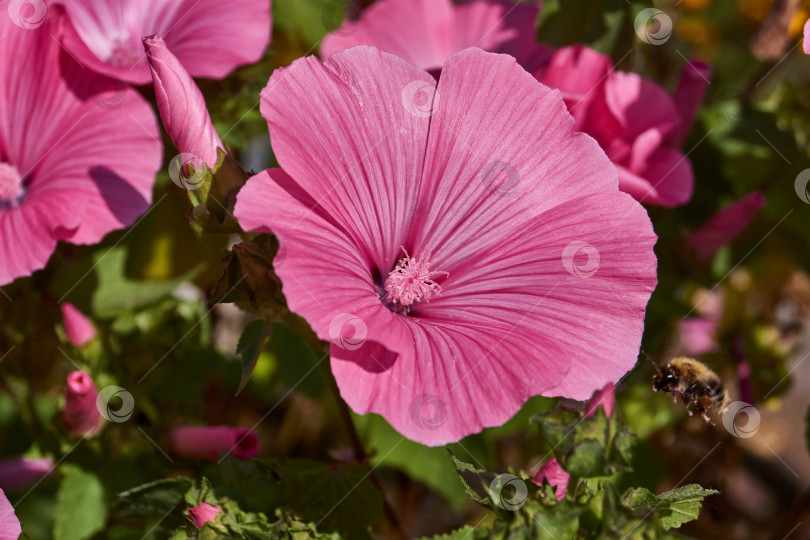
(212,442)
(688,96)
(81,415)
(19,473)
(724,226)
(555,475)
(78,328)
(202,514)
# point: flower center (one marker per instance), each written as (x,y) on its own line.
(11,186)
(410,281)
(124,54)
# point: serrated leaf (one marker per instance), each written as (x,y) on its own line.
(476,481)
(672,508)
(465,533)
(155,499)
(81,510)
(250,346)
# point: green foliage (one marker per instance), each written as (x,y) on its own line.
(672,508)
(81,508)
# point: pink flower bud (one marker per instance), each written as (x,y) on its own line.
(19,473)
(605,397)
(212,442)
(81,415)
(10,528)
(724,226)
(688,96)
(181,104)
(556,476)
(202,514)
(78,328)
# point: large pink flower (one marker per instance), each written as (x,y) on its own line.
(9,524)
(78,155)
(636,122)
(210,37)
(459,259)
(426,32)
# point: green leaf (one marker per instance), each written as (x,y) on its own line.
(338,497)
(155,499)
(672,508)
(81,510)
(298,362)
(249,347)
(476,481)
(465,533)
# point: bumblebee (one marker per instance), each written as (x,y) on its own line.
(700,388)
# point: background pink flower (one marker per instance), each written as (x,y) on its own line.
(634,120)
(531,271)
(78,155)
(212,442)
(10,528)
(19,473)
(210,37)
(724,226)
(80,414)
(426,32)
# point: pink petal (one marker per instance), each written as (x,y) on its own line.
(556,476)
(426,32)
(724,226)
(210,443)
(78,327)
(579,73)
(606,397)
(181,104)
(806,39)
(202,514)
(10,528)
(688,96)
(106,36)
(697,335)
(73,144)
(667,180)
(80,414)
(639,105)
(354,141)
(19,473)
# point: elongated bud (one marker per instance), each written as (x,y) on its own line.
(724,226)
(181,104)
(78,328)
(212,442)
(20,473)
(81,415)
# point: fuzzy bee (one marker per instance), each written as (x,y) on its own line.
(700,388)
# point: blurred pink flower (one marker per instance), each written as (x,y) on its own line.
(80,414)
(806,39)
(635,121)
(212,442)
(202,514)
(426,32)
(551,469)
(724,226)
(459,259)
(78,327)
(210,37)
(19,473)
(78,156)
(698,335)
(181,104)
(10,528)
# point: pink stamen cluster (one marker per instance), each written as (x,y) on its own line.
(410,281)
